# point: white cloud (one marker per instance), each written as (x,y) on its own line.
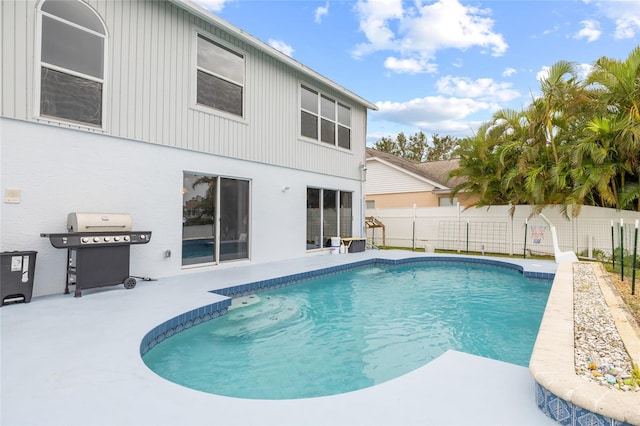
(430,109)
(583,70)
(374,23)
(627,27)
(590,31)
(449,24)
(320,12)
(281,46)
(543,73)
(418,33)
(212,5)
(625,15)
(410,65)
(485,89)
(508,72)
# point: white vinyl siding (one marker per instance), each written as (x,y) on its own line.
(149,84)
(383,179)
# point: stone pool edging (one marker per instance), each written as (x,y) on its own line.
(208,312)
(560,393)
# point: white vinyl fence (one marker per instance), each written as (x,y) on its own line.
(494,230)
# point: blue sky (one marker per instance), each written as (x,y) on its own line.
(440,66)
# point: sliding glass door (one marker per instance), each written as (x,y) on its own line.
(329,214)
(234,219)
(207,201)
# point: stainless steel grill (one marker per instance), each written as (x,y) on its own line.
(98,249)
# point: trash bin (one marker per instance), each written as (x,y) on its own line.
(16,276)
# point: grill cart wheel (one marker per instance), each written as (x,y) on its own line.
(129,283)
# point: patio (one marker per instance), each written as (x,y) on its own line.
(68,361)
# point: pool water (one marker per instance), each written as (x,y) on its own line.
(356,329)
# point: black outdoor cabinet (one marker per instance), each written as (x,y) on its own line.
(16,276)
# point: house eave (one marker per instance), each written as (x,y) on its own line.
(437,186)
(204,14)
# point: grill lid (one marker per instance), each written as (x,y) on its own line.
(98,222)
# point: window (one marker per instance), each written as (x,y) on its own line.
(206,201)
(370,204)
(325,119)
(220,77)
(72,62)
(328,211)
(447,202)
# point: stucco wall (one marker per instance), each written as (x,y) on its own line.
(405,199)
(408,199)
(59,171)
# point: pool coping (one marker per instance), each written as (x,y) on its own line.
(561,393)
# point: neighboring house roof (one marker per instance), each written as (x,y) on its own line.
(204,14)
(435,172)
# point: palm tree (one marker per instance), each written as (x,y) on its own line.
(616,84)
(578,143)
(479,168)
(596,168)
(558,90)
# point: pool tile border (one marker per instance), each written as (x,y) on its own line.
(561,394)
(250,288)
(567,414)
(204,313)
(182,322)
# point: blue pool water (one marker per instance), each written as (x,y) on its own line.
(356,329)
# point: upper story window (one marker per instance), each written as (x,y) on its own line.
(325,119)
(220,77)
(72,62)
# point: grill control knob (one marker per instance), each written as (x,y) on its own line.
(96,239)
(85,239)
(126,238)
(116,238)
(107,239)
(143,237)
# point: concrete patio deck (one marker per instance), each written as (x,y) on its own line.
(76,361)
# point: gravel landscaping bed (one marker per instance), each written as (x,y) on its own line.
(600,354)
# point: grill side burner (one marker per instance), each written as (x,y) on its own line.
(100,257)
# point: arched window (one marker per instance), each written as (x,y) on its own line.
(72,62)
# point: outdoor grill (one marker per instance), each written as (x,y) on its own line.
(98,247)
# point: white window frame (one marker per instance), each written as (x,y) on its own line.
(39,64)
(320,117)
(194,67)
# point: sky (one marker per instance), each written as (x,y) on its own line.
(443,66)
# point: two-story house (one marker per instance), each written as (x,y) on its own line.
(224,148)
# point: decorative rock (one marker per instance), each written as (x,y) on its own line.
(600,354)
(610,379)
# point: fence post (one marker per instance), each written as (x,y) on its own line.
(635,261)
(413,239)
(526,226)
(613,249)
(621,249)
(467,237)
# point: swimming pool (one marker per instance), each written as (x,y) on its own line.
(352,330)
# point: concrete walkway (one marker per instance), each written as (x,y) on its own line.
(76,361)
